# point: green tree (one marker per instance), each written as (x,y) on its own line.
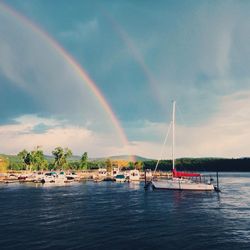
(37,159)
(61,156)
(96,164)
(4,164)
(131,165)
(23,156)
(16,166)
(84,161)
(75,165)
(109,165)
(33,160)
(139,165)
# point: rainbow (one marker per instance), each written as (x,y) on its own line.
(123,35)
(76,67)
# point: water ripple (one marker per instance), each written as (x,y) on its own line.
(123,216)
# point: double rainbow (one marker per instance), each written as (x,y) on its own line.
(75,66)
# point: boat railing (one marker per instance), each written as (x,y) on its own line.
(202,179)
(197,179)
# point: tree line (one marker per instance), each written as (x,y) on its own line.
(203,164)
(35,160)
(61,159)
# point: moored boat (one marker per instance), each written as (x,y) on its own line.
(181,180)
(182,184)
(54,177)
(134,175)
(72,177)
(120,178)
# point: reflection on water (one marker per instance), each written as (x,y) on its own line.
(136,185)
(110,215)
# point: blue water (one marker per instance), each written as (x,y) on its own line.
(123,216)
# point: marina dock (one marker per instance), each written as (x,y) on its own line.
(76,176)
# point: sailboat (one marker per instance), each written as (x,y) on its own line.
(181,180)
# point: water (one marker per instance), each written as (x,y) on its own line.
(122,216)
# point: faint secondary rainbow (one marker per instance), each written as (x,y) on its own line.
(77,68)
(136,54)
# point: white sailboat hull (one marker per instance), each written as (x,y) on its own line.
(175,184)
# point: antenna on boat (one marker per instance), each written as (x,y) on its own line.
(165,141)
(173,124)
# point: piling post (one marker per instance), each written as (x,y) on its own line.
(146,184)
(217,188)
(217,179)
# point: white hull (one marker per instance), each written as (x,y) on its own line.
(120,177)
(134,178)
(181,184)
(134,175)
(54,178)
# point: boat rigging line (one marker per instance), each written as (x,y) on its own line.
(163,146)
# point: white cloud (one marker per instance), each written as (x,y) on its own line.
(16,137)
(225,134)
(32,120)
(201,52)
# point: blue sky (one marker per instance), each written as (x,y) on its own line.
(141,54)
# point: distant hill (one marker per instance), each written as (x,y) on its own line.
(12,158)
(123,158)
(116,157)
(15,158)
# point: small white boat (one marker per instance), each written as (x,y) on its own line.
(53,177)
(38,177)
(48,177)
(72,177)
(12,177)
(120,178)
(61,178)
(134,175)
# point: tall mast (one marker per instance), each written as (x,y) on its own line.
(173,145)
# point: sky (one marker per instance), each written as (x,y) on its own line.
(138,56)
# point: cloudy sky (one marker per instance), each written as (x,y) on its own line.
(140,55)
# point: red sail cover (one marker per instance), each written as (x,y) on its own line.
(184,174)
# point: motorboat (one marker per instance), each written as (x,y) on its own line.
(134,175)
(120,178)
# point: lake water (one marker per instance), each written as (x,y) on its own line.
(110,215)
